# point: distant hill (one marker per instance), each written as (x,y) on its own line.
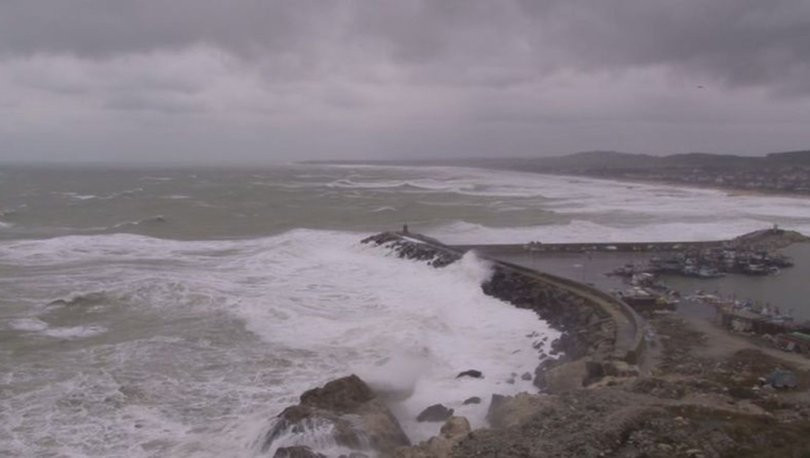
(614,160)
(610,160)
(785,172)
(796,157)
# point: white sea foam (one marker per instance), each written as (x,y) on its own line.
(75,332)
(321,305)
(28,324)
(40,327)
(77,196)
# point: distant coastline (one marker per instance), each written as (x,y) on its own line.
(785,174)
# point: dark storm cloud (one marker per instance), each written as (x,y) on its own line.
(745,42)
(101,28)
(186,79)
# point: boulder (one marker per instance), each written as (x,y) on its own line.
(347,411)
(782,379)
(455,428)
(297,451)
(472,400)
(342,395)
(470,373)
(436,412)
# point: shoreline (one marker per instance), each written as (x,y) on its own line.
(728,190)
(697,392)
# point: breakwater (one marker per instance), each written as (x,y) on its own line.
(597,328)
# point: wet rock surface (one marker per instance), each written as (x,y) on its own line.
(436,412)
(413,249)
(348,409)
(472,373)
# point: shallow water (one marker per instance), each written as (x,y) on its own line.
(175,312)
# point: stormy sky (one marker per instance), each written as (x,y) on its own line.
(256,81)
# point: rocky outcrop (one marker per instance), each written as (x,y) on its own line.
(344,412)
(453,431)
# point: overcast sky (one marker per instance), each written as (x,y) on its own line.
(254,81)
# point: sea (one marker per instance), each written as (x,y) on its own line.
(175,311)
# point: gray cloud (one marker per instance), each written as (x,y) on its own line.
(737,41)
(397,77)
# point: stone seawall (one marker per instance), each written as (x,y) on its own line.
(597,329)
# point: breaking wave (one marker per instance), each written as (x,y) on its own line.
(259,320)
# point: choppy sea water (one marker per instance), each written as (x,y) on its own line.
(158,312)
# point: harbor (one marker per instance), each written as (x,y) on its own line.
(754,285)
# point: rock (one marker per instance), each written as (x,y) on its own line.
(297,451)
(526,376)
(540,372)
(455,428)
(472,400)
(441,446)
(342,395)
(566,377)
(436,412)
(470,373)
(782,379)
(595,372)
(620,369)
(345,411)
(507,411)
(354,455)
